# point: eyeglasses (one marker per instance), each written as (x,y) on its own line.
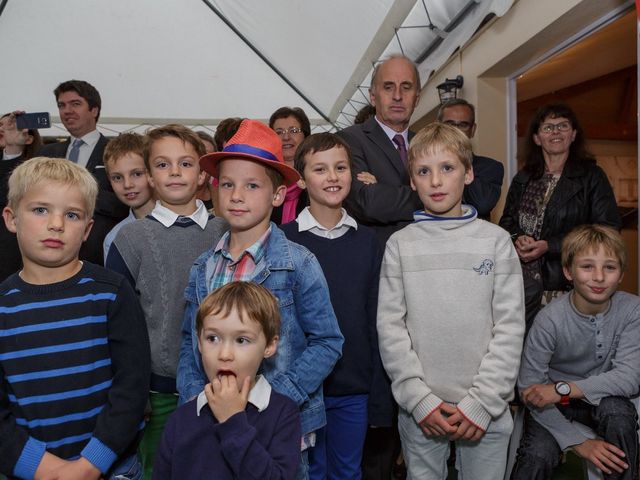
(460,125)
(551,127)
(291,131)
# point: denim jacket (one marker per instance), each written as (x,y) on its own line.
(310,339)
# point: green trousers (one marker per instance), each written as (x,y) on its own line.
(162,405)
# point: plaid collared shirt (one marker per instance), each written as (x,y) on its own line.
(225,269)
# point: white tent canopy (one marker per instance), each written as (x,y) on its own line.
(198,61)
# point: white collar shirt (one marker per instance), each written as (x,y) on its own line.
(392,133)
(168,217)
(307,222)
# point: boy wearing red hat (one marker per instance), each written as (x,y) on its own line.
(252,179)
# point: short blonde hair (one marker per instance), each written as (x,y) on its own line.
(437,137)
(586,238)
(41,169)
(249,299)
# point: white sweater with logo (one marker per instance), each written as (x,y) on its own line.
(451,316)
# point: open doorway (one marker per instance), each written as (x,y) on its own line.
(597,77)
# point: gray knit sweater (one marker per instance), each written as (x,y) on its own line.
(159,259)
(451,316)
(600,354)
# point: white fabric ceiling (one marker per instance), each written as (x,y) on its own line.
(159,61)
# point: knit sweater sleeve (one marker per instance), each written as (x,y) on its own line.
(121,418)
(538,351)
(498,370)
(399,358)
(20,454)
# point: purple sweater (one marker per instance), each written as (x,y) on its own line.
(250,445)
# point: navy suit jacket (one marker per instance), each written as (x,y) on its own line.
(484,192)
(389,204)
(109,210)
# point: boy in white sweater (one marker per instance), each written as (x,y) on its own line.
(450,319)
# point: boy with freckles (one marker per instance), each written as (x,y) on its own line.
(450,319)
(237,427)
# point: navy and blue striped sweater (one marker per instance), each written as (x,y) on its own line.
(74,367)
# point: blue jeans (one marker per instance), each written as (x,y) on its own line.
(615,420)
(338,451)
(303,469)
(128,469)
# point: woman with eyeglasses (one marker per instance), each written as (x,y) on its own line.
(559,188)
(292,126)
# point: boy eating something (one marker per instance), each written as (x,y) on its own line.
(252,177)
(237,427)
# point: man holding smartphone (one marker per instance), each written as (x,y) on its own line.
(79,106)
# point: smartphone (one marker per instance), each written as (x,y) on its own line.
(33,121)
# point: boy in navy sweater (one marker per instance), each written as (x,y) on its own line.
(74,351)
(237,427)
(357,392)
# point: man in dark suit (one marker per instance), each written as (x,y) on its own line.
(484,192)
(79,107)
(386,204)
(381,197)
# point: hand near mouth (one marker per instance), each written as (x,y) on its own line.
(226,398)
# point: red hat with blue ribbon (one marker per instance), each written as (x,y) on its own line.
(253,141)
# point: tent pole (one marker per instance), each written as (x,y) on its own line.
(2,5)
(265,60)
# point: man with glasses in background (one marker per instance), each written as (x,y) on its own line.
(483,193)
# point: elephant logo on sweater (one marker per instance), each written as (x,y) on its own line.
(485,267)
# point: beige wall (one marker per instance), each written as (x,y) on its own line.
(529,30)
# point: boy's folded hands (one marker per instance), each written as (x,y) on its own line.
(447,420)
(436,424)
